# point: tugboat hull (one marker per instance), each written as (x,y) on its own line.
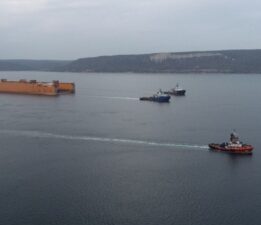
(176,93)
(244,149)
(179,93)
(156,98)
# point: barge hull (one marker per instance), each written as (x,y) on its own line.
(66,87)
(33,87)
(28,87)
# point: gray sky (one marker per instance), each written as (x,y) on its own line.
(70,29)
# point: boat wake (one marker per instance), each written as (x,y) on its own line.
(115,97)
(39,134)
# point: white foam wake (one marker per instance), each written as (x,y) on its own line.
(114,97)
(39,134)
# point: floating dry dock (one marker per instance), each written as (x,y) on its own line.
(33,87)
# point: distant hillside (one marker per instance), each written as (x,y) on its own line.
(38,65)
(227,61)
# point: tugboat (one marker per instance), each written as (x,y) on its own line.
(233,146)
(158,97)
(178,91)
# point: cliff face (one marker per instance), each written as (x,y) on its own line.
(228,61)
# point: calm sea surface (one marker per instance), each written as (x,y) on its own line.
(102,157)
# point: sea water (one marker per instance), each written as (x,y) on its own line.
(101,156)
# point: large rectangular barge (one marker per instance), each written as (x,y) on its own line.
(33,87)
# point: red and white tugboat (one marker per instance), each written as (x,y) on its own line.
(233,146)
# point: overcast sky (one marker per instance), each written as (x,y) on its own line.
(70,29)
